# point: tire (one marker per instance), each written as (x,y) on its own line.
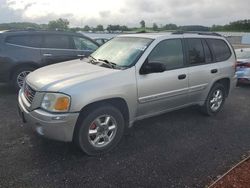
(208,108)
(18,73)
(89,142)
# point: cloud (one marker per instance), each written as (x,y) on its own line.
(104,14)
(125,12)
(28,6)
(7,14)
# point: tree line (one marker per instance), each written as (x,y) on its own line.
(63,24)
(240,25)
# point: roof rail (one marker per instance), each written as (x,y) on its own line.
(15,30)
(198,33)
(35,29)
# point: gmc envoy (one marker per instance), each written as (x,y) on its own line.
(94,100)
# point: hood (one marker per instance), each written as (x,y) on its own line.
(59,76)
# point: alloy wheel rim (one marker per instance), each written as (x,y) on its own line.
(102,131)
(21,77)
(216,100)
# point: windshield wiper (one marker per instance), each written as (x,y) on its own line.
(111,64)
(92,60)
(106,62)
(92,57)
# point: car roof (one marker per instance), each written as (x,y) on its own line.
(145,35)
(8,33)
(173,35)
(31,31)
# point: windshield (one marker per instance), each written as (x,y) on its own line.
(122,51)
(241,54)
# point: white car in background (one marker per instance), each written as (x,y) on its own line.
(243,65)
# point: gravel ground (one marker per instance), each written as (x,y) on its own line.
(178,149)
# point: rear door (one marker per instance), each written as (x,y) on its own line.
(57,48)
(202,68)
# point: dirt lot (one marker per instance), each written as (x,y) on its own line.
(178,149)
(239,176)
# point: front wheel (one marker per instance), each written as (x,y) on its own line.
(215,100)
(100,130)
(18,77)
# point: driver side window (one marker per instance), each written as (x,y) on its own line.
(84,44)
(169,53)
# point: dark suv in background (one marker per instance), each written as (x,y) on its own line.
(24,51)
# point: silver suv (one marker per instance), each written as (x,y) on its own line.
(94,100)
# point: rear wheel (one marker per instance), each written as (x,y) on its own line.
(100,130)
(215,100)
(19,75)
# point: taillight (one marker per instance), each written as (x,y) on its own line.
(247,65)
(235,66)
(243,64)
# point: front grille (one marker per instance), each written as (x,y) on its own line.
(29,93)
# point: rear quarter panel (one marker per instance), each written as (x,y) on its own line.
(228,68)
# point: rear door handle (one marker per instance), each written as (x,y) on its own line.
(214,71)
(182,76)
(80,55)
(47,55)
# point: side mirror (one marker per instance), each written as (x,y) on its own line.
(153,67)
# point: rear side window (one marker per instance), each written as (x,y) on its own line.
(168,52)
(220,49)
(25,40)
(57,42)
(196,53)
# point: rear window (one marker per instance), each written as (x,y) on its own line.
(25,40)
(57,42)
(220,49)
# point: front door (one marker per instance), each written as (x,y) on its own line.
(159,92)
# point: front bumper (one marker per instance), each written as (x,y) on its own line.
(54,126)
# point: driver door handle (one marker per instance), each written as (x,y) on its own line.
(80,55)
(214,71)
(182,76)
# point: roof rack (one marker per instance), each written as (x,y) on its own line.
(35,29)
(198,33)
(15,30)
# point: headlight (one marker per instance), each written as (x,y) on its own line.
(56,102)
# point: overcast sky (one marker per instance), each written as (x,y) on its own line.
(126,12)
